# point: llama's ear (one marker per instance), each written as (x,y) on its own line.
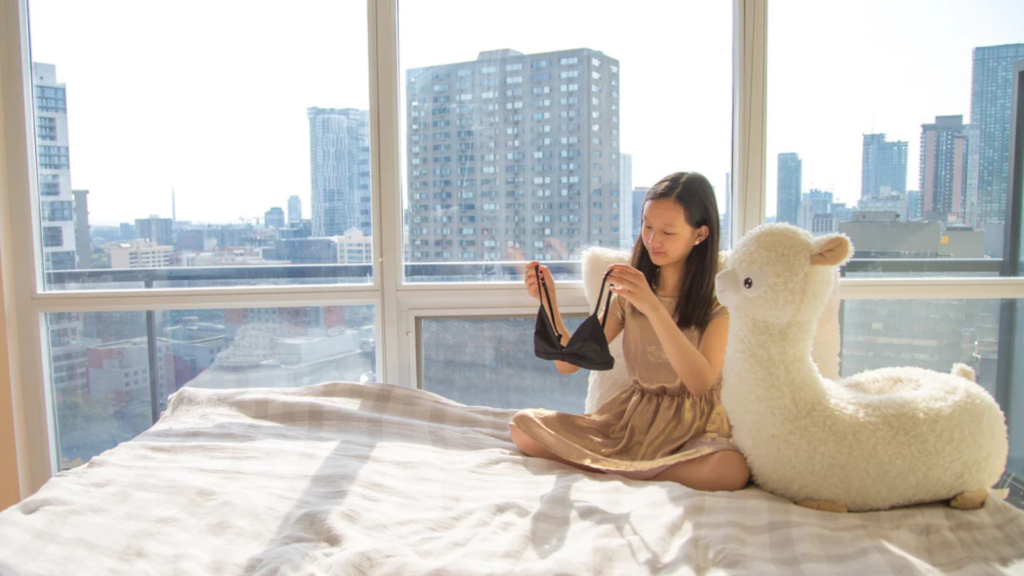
(831,250)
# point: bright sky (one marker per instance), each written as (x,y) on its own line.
(211,97)
(838,70)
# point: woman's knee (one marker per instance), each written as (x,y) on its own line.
(731,471)
(718,472)
(523,441)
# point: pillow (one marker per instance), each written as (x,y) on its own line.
(602,385)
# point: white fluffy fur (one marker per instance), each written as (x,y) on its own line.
(602,385)
(877,440)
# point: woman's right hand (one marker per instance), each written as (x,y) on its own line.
(532,286)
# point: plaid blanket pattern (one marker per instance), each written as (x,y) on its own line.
(345,478)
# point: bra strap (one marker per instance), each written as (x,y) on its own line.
(607,304)
(608,300)
(544,285)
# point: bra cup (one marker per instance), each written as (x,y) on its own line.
(587,348)
(544,337)
(591,336)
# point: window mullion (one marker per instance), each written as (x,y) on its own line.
(749,70)
(168,300)
(33,420)
(385,168)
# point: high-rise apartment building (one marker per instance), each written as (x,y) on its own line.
(339,150)
(274,218)
(513,154)
(156,229)
(625,206)
(789,187)
(883,164)
(915,206)
(813,206)
(943,172)
(294,210)
(57,223)
(637,200)
(56,201)
(126,231)
(991,90)
(83,243)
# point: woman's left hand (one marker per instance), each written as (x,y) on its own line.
(631,284)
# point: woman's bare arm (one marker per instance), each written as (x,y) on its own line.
(698,368)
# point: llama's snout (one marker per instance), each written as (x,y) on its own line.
(727,286)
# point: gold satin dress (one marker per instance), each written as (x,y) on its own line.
(652,424)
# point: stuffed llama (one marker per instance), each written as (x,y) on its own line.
(603,384)
(879,439)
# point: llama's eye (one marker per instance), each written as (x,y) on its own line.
(748,283)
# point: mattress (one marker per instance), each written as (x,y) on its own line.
(346,478)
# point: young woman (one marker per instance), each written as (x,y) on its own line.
(668,424)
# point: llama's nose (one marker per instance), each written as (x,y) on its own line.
(722,283)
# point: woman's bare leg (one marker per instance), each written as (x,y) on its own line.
(531,447)
(725,470)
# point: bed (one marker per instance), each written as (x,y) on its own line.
(345,478)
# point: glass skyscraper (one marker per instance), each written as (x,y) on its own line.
(339,151)
(991,90)
(789,183)
(943,173)
(54,164)
(883,164)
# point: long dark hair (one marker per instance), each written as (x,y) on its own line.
(695,195)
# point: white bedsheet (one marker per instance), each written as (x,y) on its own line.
(355,479)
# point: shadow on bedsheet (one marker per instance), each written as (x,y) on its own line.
(888,537)
(549,524)
(307,526)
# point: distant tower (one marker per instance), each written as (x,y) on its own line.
(991,99)
(790,184)
(339,141)
(943,175)
(725,218)
(83,244)
(294,210)
(174,213)
(626,238)
(882,164)
(156,229)
(639,193)
(274,218)
(56,200)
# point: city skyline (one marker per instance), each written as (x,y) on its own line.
(895,74)
(987,24)
(325,67)
(960,172)
(339,152)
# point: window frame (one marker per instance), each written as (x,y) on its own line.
(398,304)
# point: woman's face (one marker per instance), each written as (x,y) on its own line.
(669,238)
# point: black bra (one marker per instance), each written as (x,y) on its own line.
(587,348)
